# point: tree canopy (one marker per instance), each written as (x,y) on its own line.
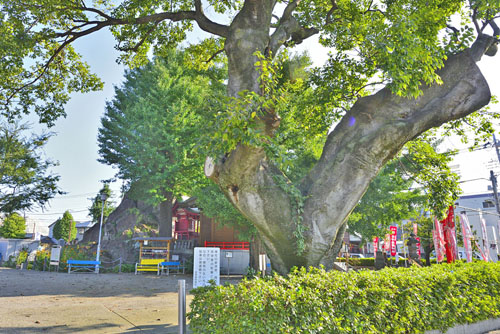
(13,226)
(96,209)
(25,177)
(399,42)
(153,127)
(65,227)
(419,55)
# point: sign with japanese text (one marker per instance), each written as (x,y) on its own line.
(375,244)
(394,234)
(419,252)
(206,266)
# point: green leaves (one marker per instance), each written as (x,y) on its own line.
(37,75)
(13,226)
(65,227)
(25,180)
(152,130)
(215,205)
(96,209)
(416,181)
(431,170)
(402,40)
(404,300)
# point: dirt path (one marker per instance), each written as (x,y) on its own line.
(43,302)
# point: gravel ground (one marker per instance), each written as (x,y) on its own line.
(48,302)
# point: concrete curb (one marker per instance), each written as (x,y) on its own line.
(475,328)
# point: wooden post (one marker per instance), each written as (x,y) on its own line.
(140,250)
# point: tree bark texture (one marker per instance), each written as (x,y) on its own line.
(370,134)
(165,224)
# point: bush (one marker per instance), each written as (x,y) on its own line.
(13,226)
(23,255)
(11,262)
(126,268)
(403,300)
(75,252)
(41,257)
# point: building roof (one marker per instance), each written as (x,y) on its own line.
(87,224)
(48,240)
(152,238)
(485,195)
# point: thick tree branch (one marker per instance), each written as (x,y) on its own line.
(288,30)
(198,16)
(214,55)
(328,19)
(476,23)
(76,32)
(373,131)
(44,69)
(136,47)
(494,26)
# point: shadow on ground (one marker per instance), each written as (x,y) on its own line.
(14,282)
(103,328)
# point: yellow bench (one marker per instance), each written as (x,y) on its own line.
(149,265)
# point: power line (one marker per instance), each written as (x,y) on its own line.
(479,210)
(74,196)
(56,213)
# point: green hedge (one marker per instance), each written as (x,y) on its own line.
(402,300)
(370,261)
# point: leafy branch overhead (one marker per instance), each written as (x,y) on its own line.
(395,70)
(25,177)
(416,182)
(44,68)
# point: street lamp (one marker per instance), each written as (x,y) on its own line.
(104,197)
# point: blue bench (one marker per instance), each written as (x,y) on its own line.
(85,265)
(169,264)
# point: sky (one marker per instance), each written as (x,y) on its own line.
(74,144)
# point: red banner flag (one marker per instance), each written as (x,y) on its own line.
(448,230)
(375,244)
(394,233)
(418,248)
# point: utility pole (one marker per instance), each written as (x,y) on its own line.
(496,147)
(494,185)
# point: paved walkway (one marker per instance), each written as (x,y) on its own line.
(43,302)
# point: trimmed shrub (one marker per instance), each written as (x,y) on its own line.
(402,300)
(75,252)
(22,256)
(41,257)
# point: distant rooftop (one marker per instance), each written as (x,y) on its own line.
(85,224)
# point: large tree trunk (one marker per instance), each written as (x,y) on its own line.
(370,134)
(165,224)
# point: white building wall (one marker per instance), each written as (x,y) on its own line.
(476,203)
(10,247)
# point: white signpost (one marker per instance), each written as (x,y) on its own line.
(55,255)
(206,266)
